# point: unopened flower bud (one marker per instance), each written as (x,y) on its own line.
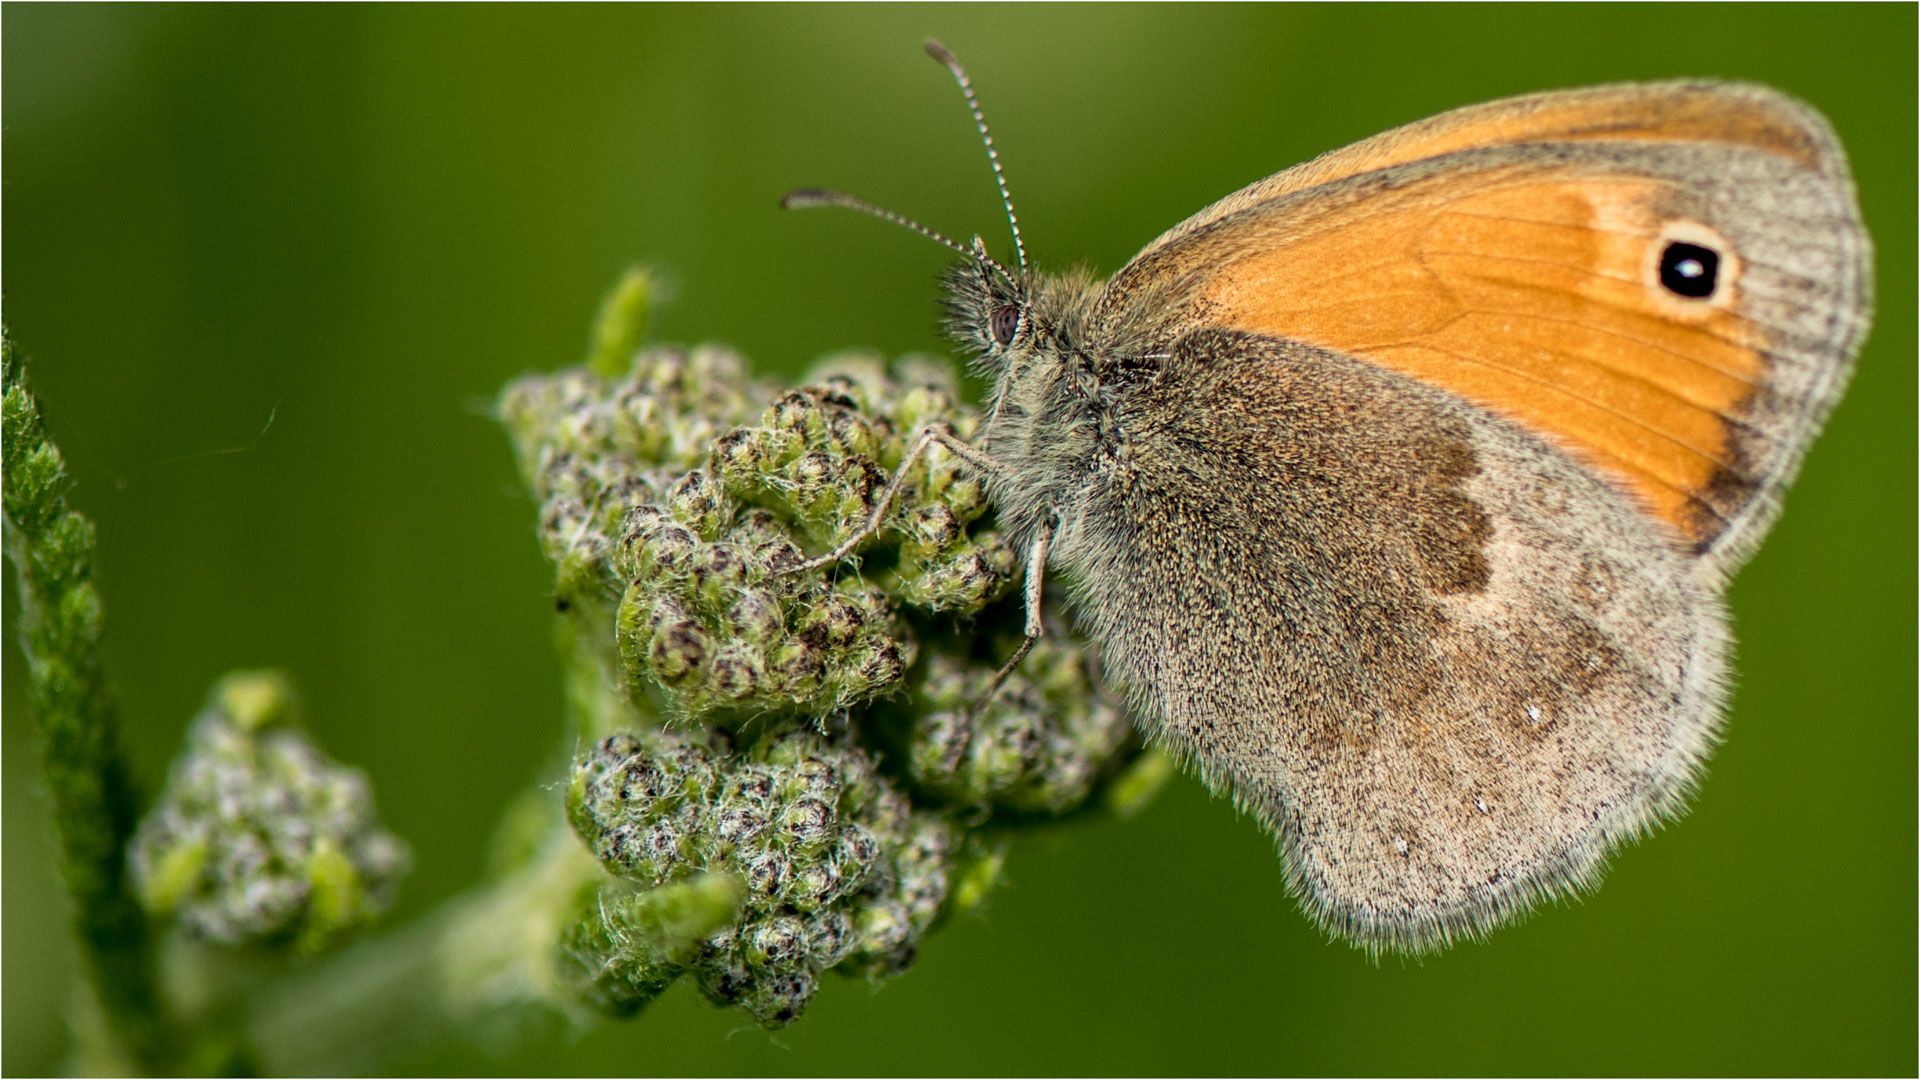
(260,837)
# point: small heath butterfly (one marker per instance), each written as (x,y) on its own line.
(1399,490)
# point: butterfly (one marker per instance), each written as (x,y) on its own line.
(1399,490)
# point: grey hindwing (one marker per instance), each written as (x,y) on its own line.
(1447,665)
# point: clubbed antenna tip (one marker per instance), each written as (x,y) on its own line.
(941,53)
(808,198)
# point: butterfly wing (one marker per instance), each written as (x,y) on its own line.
(1435,488)
(1513,253)
(1449,666)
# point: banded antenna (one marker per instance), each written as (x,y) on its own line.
(941,53)
(807,198)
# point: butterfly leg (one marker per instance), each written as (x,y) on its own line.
(915,451)
(1036,578)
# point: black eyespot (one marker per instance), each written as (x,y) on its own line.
(1006,319)
(1689,270)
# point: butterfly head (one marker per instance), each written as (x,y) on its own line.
(989,312)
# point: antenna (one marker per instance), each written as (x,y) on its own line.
(808,198)
(939,52)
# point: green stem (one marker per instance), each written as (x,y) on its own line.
(482,965)
(95,806)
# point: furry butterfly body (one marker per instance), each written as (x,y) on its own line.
(1400,489)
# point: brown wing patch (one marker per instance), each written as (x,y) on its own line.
(1525,291)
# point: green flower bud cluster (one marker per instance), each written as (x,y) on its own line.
(1040,744)
(835,868)
(593,447)
(788,771)
(655,492)
(822,458)
(258,835)
(714,623)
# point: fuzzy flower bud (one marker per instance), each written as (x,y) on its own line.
(626,947)
(821,741)
(836,867)
(1040,744)
(260,837)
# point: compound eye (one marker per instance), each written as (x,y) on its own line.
(1006,320)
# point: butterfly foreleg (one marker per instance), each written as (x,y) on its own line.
(1036,579)
(916,450)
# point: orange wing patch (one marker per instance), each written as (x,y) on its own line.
(1529,296)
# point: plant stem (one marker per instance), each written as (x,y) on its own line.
(95,806)
(481,965)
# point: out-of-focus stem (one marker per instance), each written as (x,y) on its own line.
(485,962)
(94,803)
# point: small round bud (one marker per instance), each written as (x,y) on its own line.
(637,524)
(694,770)
(938,749)
(923,862)
(809,777)
(665,551)
(813,476)
(836,622)
(883,936)
(776,999)
(849,389)
(860,483)
(858,856)
(851,434)
(660,849)
(815,882)
(640,784)
(797,413)
(725,978)
(679,652)
(929,530)
(756,617)
(873,667)
(718,572)
(1007,747)
(922,405)
(807,824)
(740,459)
(715,374)
(738,672)
(661,371)
(751,784)
(699,502)
(638,425)
(767,872)
(776,555)
(798,668)
(741,824)
(830,935)
(777,942)
(966,496)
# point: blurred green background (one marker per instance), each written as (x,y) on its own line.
(271,265)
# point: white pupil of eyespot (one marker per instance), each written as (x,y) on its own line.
(1689,268)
